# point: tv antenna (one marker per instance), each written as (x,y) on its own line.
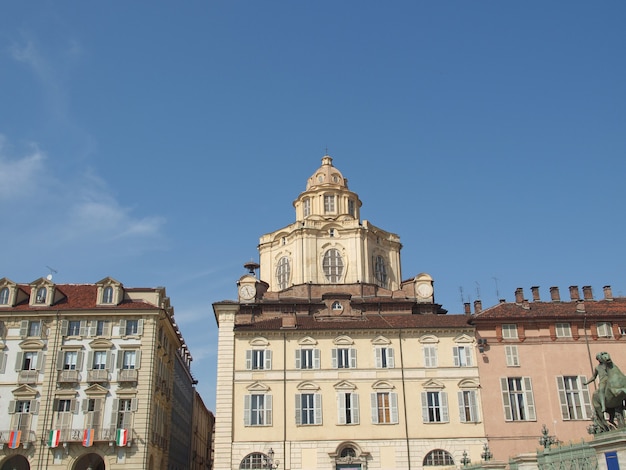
(497,290)
(477,289)
(52,271)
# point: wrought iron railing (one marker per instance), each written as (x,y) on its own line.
(100,434)
(27,436)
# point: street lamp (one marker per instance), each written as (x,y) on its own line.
(546,440)
(486,454)
(465,461)
(270,462)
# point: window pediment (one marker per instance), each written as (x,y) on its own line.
(463,338)
(25,392)
(32,344)
(307,341)
(381,341)
(258,387)
(101,343)
(65,393)
(96,390)
(382,385)
(259,342)
(344,385)
(433,385)
(468,383)
(343,340)
(308,386)
(428,339)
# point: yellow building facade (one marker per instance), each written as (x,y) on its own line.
(329,359)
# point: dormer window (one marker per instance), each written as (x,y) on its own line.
(107,295)
(4,296)
(41,295)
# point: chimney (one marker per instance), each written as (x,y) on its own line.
(468,309)
(519,295)
(525,304)
(535,291)
(554,294)
(587,293)
(502,301)
(580,306)
(288,321)
(478,306)
(573,293)
(608,295)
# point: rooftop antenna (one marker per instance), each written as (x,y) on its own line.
(477,290)
(497,290)
(461,291)
(52,270)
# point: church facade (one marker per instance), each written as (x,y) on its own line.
(329,358)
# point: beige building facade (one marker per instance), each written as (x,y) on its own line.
(86,375)
(330,359)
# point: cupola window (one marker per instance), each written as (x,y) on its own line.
(380,271)
(351,210)
(282,273)
(329,203)
(306,207)
(333,265)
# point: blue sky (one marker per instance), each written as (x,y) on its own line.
(154,142)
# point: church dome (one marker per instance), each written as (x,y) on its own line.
(327,175)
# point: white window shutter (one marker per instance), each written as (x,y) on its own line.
(504,387)
(455,353)
(134,403)
(268,410)
(560,386)
(40,359)
(90,360)
(83,328)
(64,325)
(334,358)
(317,400)
(473,406)
(461,398)
(298,409)
(391,363)
(19,361)
(246,410)
(354,399)
(352,358)
(23,328)
(378,353)
(393,401)
(374,407)
(298,359)
(74,406)
(138,359)
(120,360)
(34,407)
(12,405)
(110,358)
(341,407)
(445,416)
(425,416)
(468,356)
(316,358)
(122,327)
(589,413)
(140,326)
(3,362)
(60,357)
(268,359)
(249,359)
(106,331)
(93,327)
(530,401)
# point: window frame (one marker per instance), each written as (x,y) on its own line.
(563,329)
(575,402)
(384,407)
(462,356)
(308,409)
(509,331)
(518,402)
(435,407)
(258,409)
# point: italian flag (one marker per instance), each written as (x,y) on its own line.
(54,438)
(121,437)
(14,439)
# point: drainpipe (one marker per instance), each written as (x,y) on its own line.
(406,422)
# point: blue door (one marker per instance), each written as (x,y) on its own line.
(611,460)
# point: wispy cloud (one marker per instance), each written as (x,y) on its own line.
(19,177)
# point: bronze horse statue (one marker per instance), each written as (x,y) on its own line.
(613,389)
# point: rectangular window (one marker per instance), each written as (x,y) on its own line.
(509,331)
(462,356)
(574,397)
(70,360)
(34,328)
(435,407)
(132,327)
(22,410)
(605,330)
(126,408)
(102,328)
(307,359)
(430,356)
(344,358)
(351,210)
(468,406)
(258,410)
(30,361)
(512,358)
(308,408)
(348,408)
(563,330)
(329,204)
(384,408)
(73,328)
(129,360)
(517,397)
(99,360)
(258,359)
(384,358)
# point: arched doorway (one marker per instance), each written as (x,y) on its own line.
(17,462)
(89,462)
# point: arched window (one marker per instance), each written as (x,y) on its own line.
(333,265)
(347,452)
(380,271)
(254,460)
(282,273)
(4,296)
(107,295)
(438,457)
